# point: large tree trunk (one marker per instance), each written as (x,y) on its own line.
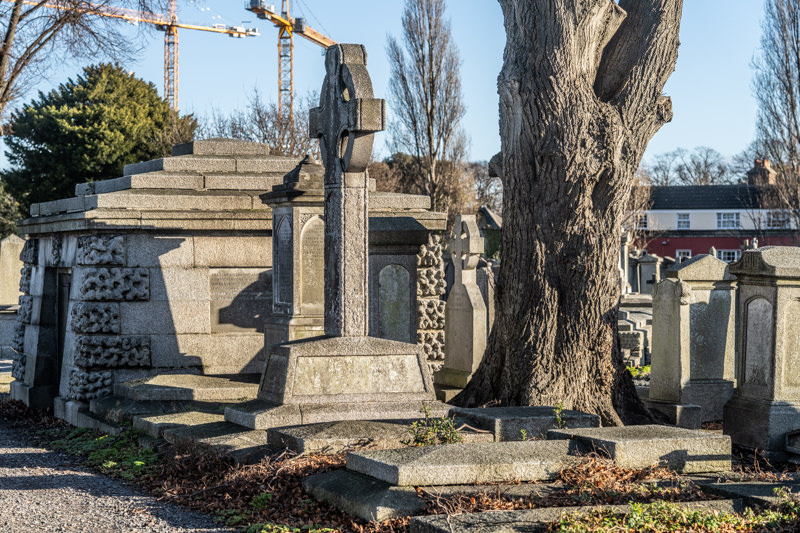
(580,98)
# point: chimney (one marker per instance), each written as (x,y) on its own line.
(761,173)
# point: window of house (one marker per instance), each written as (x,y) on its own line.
(641,221)
(729,256)
(777,219)
(683,221)
(727,220)
(682,255)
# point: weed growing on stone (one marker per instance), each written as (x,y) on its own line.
(429,431)
(558,411)
(640,372)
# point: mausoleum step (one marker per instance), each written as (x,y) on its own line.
(118,409)
(461,464)
(226,147)
(155,425)
(186,387)
(683,450)
(212,164)
(196,181)
(243,445)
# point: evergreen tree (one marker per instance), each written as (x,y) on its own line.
(87,130)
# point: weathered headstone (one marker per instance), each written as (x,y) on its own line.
(465,324)
(10,267)
(649,272)
(693,352)
(346,375)
(297,255)
(766,404)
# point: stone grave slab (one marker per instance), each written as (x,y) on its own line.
(455,464)
(683,450)
(242,444)
(752,493)
(155,425)
(184,387)
(534,519)
(335,437)
(507,423)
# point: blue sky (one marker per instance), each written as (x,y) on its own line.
(710,89)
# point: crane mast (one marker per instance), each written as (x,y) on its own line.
(168,23)
(287,28)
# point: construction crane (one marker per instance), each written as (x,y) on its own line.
(168,23)
(287,27)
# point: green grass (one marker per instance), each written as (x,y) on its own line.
(639,371)
(119,456)
(276,528)
(667,517)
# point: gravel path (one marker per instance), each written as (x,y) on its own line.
(45,491)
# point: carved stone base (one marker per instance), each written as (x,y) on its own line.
(339,378)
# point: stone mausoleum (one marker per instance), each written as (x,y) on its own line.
(169,270)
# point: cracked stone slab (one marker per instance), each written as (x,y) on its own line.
(507,423)
(683,450)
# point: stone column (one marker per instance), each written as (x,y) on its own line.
(766,405)
(693,342)
(465,323)
(345,123)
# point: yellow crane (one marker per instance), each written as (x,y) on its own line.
(168,23)
(287,27)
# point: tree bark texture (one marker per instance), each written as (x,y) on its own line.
(580,98)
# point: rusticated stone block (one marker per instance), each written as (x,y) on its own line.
(18,344)
(430,282)
(95,318)
(101,250)
(112,352)
(30,252)
(432,344)
(430,314)
(25,280)
(115,284)
(18,360)
(25,311)
(89,385)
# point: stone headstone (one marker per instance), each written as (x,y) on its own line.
(465,324)
(649,273)
(346,375)
(693,352)
(767,400)
(10,267)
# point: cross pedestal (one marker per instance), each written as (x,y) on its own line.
(344,375)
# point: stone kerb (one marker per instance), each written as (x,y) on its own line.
(693,345)
(465,322)
(767,401)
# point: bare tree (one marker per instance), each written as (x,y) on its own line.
(580,98)
(776,84)
(701,166)
(488,189)
(425,93)
(640,201)
(39,34)
(261,122)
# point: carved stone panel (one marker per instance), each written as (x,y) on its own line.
(101,250)
(430,307)
(758,350)
(30,252)
(283,264)
(89,317)
(115,284)
(394,302)
(112,352)
(313,262)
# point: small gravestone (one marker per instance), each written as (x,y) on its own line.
(345,375)
(693,352)
(767,401)
(649,272)
(465,323)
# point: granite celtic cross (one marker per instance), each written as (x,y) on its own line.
(345,123)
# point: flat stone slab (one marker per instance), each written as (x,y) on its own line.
(507,423)
(335,437)
(683,450)
(184,387)
(242,444)
(461,464)
(154,425)
(752,493)
(534,519)
(262,414)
